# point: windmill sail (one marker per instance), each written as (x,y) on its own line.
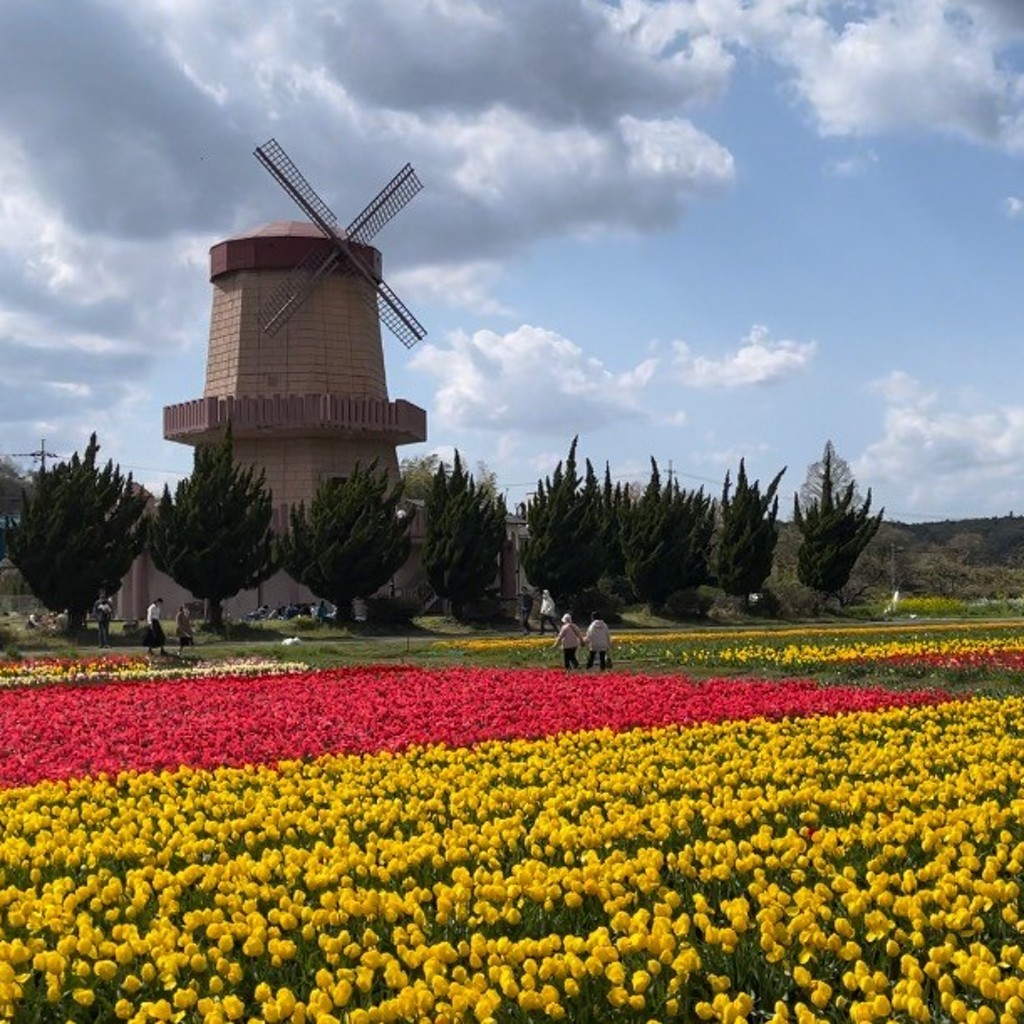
(294,289)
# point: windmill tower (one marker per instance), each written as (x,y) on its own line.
(295,361)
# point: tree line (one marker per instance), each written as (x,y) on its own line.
(82,525)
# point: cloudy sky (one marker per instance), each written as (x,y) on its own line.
(698,230)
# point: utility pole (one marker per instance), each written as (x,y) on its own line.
(42,455)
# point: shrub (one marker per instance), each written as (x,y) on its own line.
(392,611)
(795,601)
(596,599)
(620,588)
(692,603)
(486,609)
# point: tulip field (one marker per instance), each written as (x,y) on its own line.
(902,651)
(253,841)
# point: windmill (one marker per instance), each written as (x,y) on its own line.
(295,361)
(293,291)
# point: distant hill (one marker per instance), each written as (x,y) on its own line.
(966,558)
(996,541)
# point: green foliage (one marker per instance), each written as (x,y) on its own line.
(834,530)
(691,603)
(465,532)
(600,601)
(392,611)
(79,533)
(13,481)
(614,503)
(747,535)
(665,539)
(351,541)
(564,551)
(215,538)
(418,475)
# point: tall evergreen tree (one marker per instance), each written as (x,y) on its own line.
(351,541)
(834,529)
(465,532)
(667,539)
(614,502)
(564,549)
(747,535)
(215,538)
(78,533)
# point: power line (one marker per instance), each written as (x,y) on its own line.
(41,455)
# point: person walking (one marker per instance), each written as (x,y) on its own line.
(547,611)
(103,610)
(154,631)
(569,639)
(525,609)
(183,627)
(599,642)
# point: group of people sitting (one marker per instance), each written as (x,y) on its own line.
(321,611)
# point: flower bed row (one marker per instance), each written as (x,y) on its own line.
(858,867)
(960,648)
(228,720)
(104,668)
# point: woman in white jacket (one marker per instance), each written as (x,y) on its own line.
(599,642)
(547,611)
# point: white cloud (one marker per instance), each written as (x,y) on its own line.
(531,379)
(757,361)
(676,150)
(1013,207)
(936,447)
(885,65)
(469,286)
(852,166)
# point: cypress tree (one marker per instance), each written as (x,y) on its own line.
(666,540)
(834,531)
(214,538)
(747,535)
(351,541)
(613,505)
(79,533)
(465,532)
(563,552)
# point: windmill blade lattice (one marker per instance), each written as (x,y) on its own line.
(389,201)
(393,312)
(293,291)
(290,178)
(295,288)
